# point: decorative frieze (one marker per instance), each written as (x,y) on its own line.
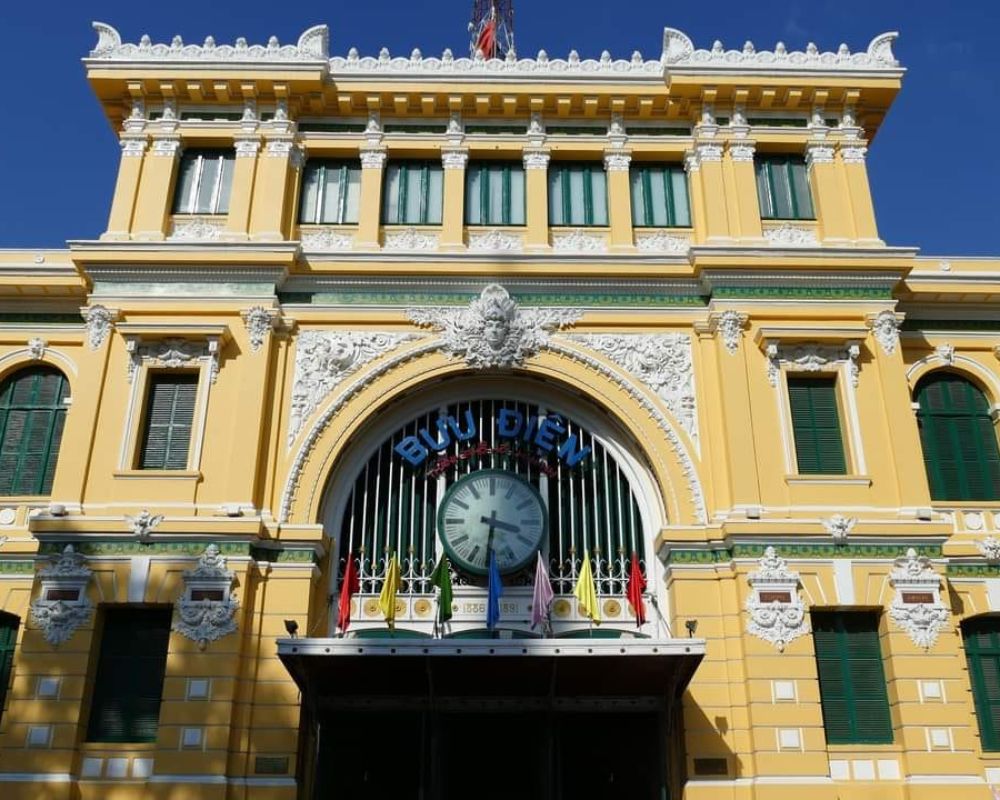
(493,330)
(577,241)
(172,353)
(197,229)
(260,323)
(495,241)
(323,359)
(917,606)
(660,242)
(811,358)
(326,240)
(791,236)
(206,610)
(660,361)
(62,605)
(777,613)
(410,239)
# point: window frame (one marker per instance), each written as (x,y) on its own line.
(141,445)
(57,420)
(565,169)
(346,167)
(989,736)
(507,168)
(764,165)
(10,628)
(831,380)
(189,206)
(669,169)
(426,166)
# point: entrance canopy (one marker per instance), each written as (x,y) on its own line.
(527,668)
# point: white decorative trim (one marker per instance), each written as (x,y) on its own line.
(854,153)
(989,548)
(59,619)
(617,162)
(922,621)
(660,242)
(99,321)
(839,526)
(143,523)
(454,159)
(323,359)
(819,153)
(493,330)
(280,148)
(133,146)
(579,242)
(885,328)
(703,152)
(373,159)
(679,50)
(742,150)
(790,236)
(205,621)
(260,323)
(313,45)
(946,352)
(325,240)
(811,358)
(247,146)
(536,159)
(198,229)
(36,348)
(661,361)
(172,353)
(730,325)
(495,241)
(166,146)
(410,239)
(775,621)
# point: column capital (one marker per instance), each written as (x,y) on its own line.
(742,149)
(617,160)
(454,158)
(703,152)
(854,152)
(134,145)
(819,151)
(373,158)
(166,145)
(247,146)
(536,159)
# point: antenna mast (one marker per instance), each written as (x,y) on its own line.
(492,28)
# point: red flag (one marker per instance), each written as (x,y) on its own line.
(487,41)
(348,588)
(636,586)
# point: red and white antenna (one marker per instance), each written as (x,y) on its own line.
(492,28)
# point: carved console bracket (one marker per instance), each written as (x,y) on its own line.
(917,606)
(777,613)
(62,605)
(206,611)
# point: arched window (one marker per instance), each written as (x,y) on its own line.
(958,439)
(32,414)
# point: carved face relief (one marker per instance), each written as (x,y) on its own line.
(496,329)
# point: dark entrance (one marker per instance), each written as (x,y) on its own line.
(494,755)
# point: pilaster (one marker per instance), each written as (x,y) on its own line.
(536,182)
(859,193)
(832,213)
(454,161)
(275,186)
(156,191)
(616,165)
(746,211)
(247,146)
(134,144)
(708,192)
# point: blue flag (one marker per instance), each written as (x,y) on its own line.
(495,593)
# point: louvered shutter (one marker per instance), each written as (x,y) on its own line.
(851,678)
(128,686)
(8,639)
(982,652)
(819,445)
(169,417)
(32,415)
(958,438)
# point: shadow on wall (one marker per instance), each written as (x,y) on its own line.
(707,753)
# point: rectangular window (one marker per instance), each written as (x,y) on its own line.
(660,196)
(8,640)
(783,188)
(982,652)
(204,182)
(578,194)
(494,194)
(414,193)
(819,443)
(128,684)
(851,680)
(166,438)
(331,193)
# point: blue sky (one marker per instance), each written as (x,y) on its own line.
(934,166)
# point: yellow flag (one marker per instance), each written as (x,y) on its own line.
(392,584)
(586,591)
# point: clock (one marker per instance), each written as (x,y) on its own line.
(494,509)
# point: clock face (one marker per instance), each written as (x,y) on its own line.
(494,509)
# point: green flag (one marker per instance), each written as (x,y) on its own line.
(441,578)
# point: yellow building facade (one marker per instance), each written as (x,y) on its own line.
(626,317)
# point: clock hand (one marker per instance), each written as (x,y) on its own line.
(494,523)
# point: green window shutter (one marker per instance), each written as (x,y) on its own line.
(578,195)
(659,196)
(851,679)
(167,425)
(32,415)
(8,640)
(413,193)
(982,653)
(819,445)
(959,442)
(783,188)
(494,193)
(128,685)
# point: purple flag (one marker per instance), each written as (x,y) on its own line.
(541,598)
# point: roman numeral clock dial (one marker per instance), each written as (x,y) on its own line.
(492,509)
